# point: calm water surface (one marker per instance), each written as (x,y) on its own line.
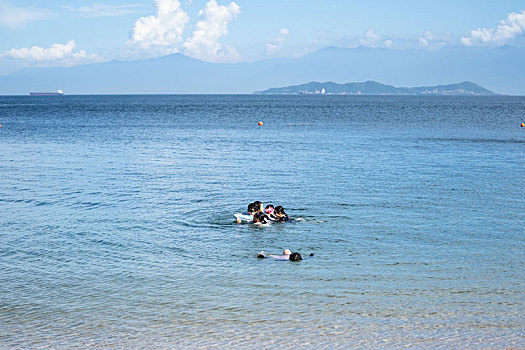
(117,228)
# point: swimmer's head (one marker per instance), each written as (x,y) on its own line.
(259,206)
(287,252)
(252,208)
(279,211)
(268,209)
(295,257)
(258,218)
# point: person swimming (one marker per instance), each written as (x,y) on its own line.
(259,206)
(287,255)
(253,208)
(279,214)
(259,218)
(268,211)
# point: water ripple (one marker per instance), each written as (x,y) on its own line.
(117,227)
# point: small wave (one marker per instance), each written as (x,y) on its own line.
(474,140)
(17,104)
(88,205)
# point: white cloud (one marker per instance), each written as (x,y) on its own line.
(203,44)
(431,40)
(103,10)
(506,30)
(428,38)
(16,17)
(370,39)
(276,44)
(425,38)
(162,33)
(56,55)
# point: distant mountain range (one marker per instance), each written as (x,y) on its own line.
(501,69)
(375,88)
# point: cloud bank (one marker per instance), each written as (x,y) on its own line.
(56,54)
(276,44)
(371,39)
(203,43)
(161,33)
(426,38)
(506,30)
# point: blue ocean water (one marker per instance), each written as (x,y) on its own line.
(117,227)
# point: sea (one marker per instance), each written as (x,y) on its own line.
(117,225)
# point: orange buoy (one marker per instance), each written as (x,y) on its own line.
(523,125)
(260,123)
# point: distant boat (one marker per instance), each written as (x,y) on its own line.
(47,93)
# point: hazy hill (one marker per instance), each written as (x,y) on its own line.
(375,88)
(499,69)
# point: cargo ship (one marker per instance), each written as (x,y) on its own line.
(50,93)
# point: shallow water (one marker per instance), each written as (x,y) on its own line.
(117,227)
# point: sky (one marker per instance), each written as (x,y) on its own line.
(66,33)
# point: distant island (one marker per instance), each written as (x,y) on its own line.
(500,68)
(375,88)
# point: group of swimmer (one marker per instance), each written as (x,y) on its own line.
(259,214)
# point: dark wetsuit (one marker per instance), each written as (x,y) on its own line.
(283,219)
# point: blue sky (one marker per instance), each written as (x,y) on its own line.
(66,33)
